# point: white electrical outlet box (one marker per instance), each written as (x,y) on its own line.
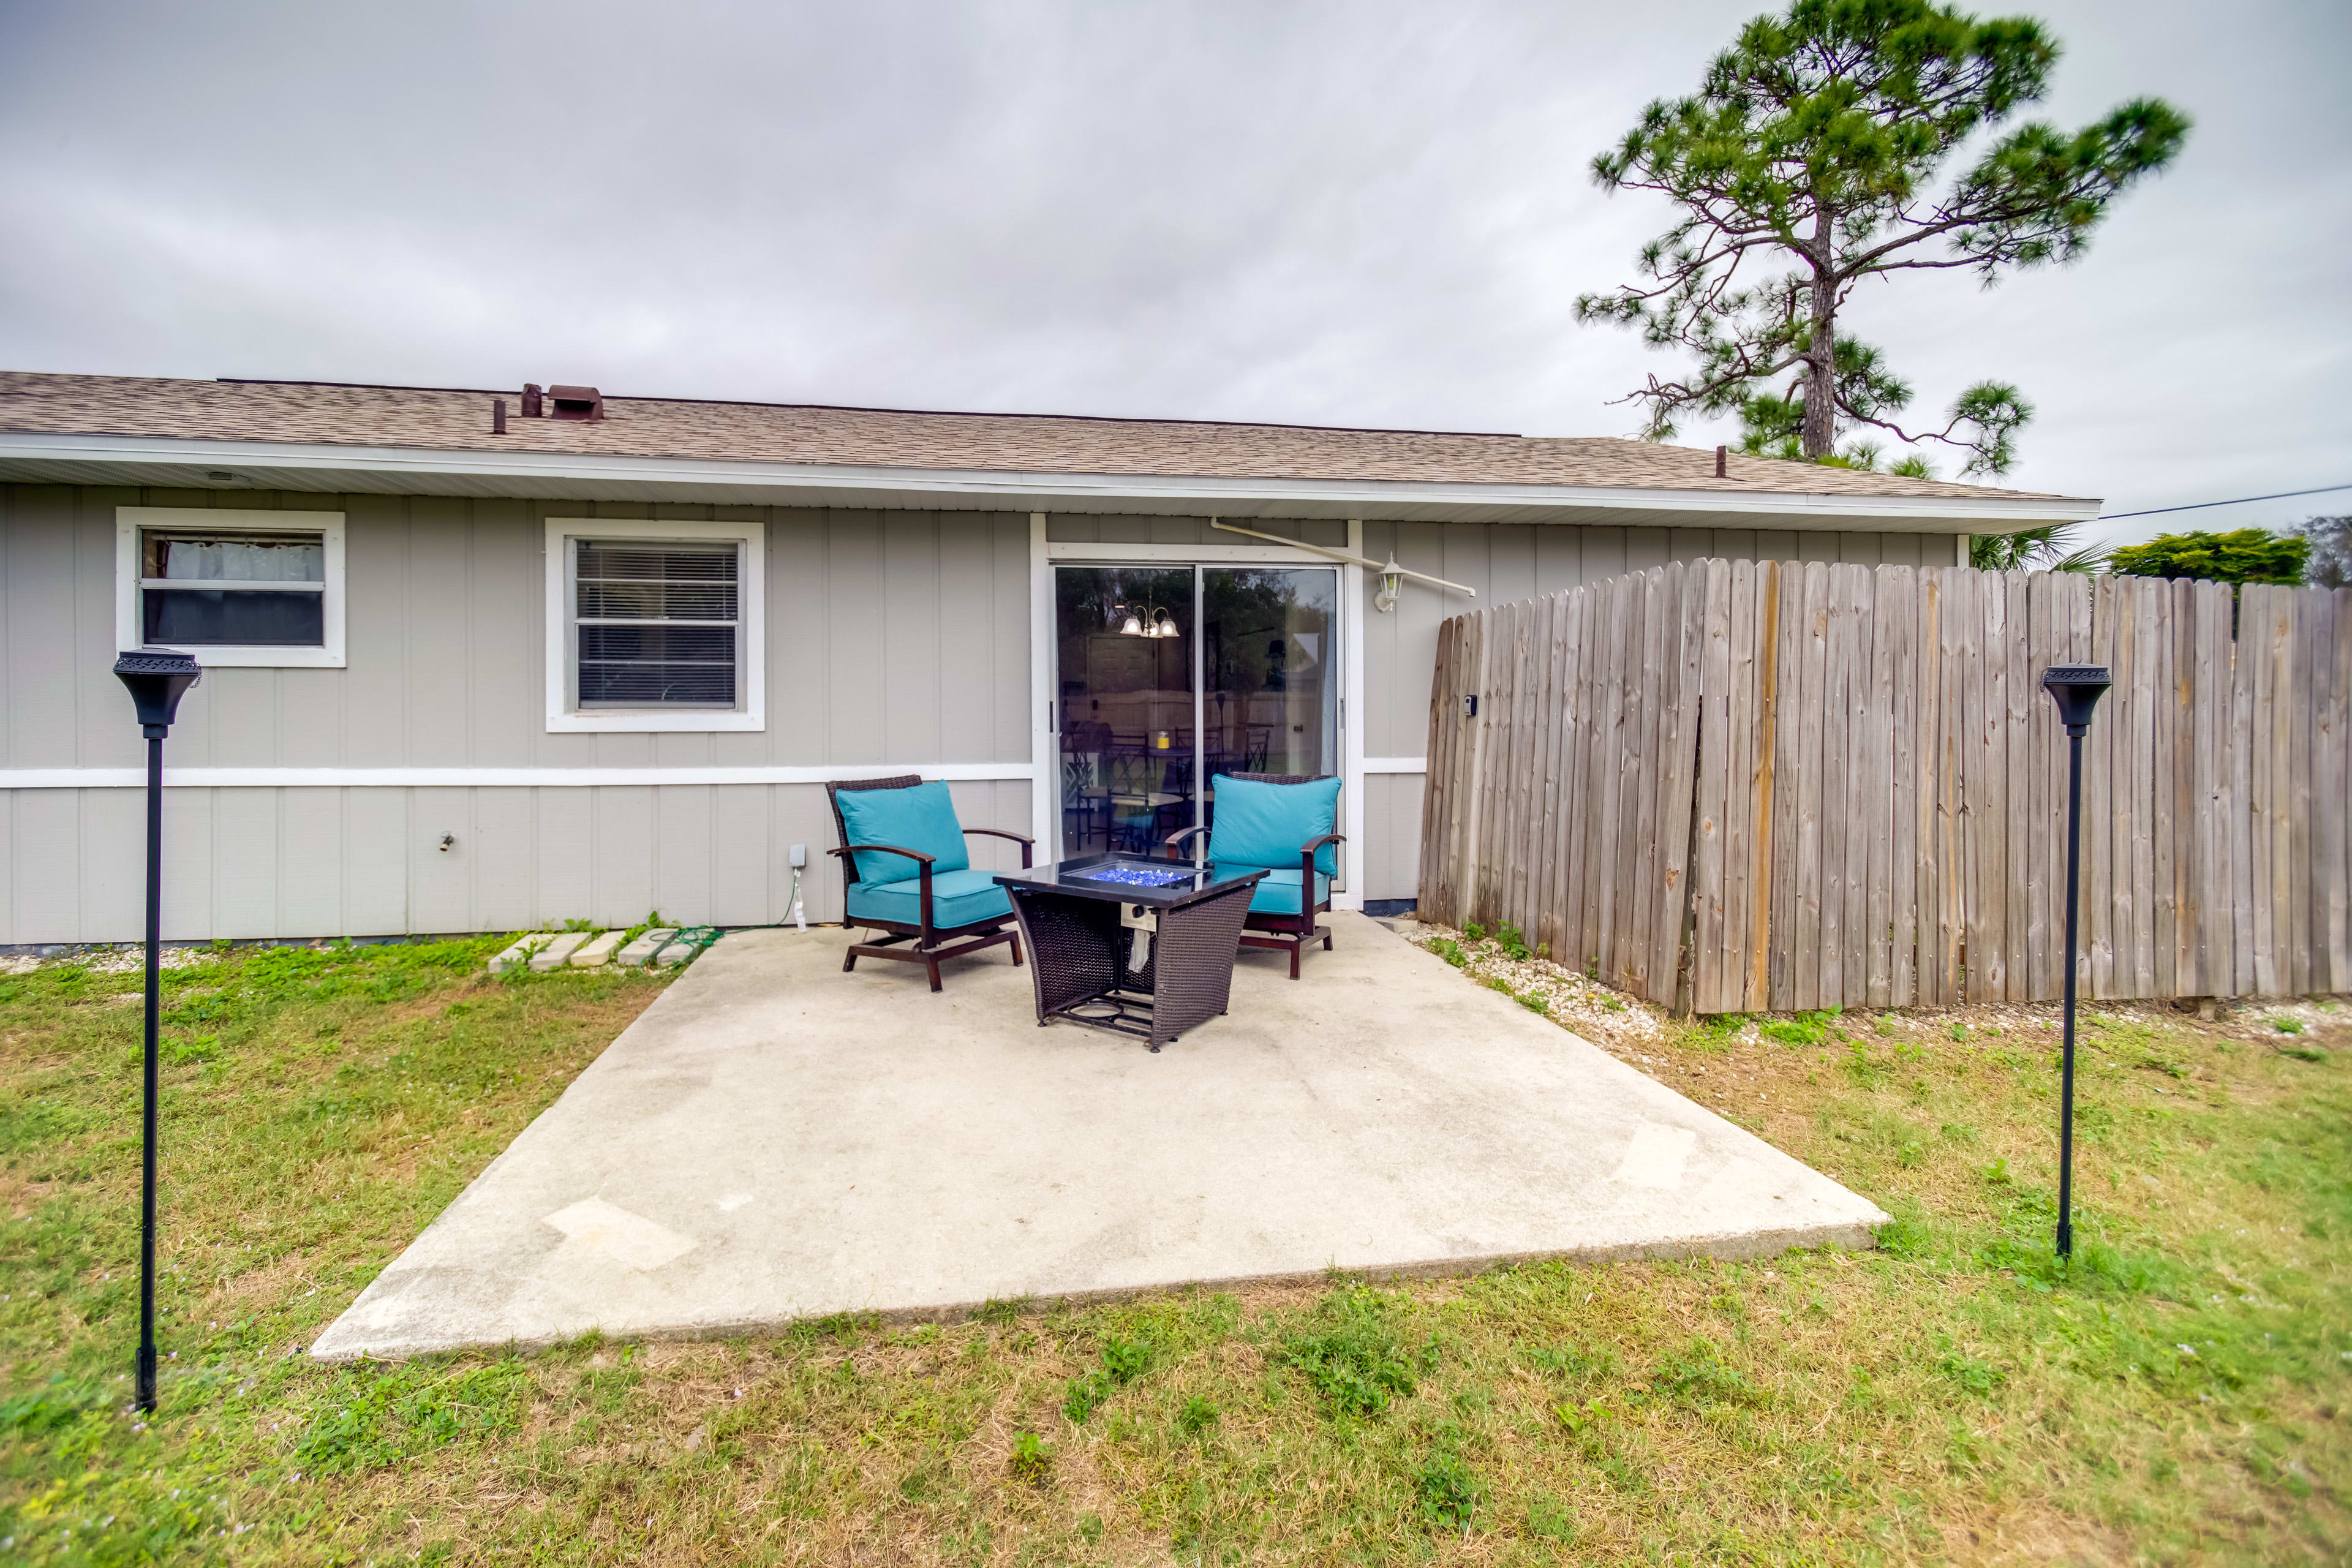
(800,857)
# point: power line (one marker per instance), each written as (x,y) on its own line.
(2199,506)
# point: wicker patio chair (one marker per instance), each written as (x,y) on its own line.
(905,872)
(1255,828)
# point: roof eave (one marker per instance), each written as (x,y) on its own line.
(159,461)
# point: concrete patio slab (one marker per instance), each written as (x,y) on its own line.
(774,1139)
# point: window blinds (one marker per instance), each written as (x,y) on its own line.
(658,625)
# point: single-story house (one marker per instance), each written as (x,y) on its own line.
(485,660)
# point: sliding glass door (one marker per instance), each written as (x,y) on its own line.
(1170,676)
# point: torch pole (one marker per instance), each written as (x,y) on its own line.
(145,1399)
(2074,900)
(156,678)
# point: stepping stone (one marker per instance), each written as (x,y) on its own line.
(554,953)
(598,951)
(519,953)
(640,952)
(675,954)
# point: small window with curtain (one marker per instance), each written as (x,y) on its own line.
(243,590)
(656,623)
(230,585)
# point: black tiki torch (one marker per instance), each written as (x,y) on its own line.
(157,678)
(2076,689)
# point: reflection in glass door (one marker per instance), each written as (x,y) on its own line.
(1269,678)
(1124,650)
(1151,713)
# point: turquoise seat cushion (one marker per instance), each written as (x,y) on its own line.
(957,899)
(1268,824)
(921,818)
(1277,892)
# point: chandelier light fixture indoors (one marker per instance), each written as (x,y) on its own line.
(1152,622)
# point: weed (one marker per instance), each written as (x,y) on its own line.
(1535,1002)
(2287,1026)
(399,1415)
(1031,1460)
(1472,931)
(1580,1420)
(1801,1029)
(1972,1373)
(1548,1519)
(1697,1376)
(653,921)
(1514,945)
(1084,1396)
(1446,1492)
(1449,950)
(1353,1354)
(187,1052)
(1574,1363)
(1123,1360)
(1126,1359)
(1197,1416)
(1859,1066)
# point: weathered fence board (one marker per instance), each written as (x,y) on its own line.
(1735,785)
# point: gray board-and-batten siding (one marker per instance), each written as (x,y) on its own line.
(893,641)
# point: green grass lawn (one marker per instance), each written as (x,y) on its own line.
(2179,1395)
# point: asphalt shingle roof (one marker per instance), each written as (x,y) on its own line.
(440,420)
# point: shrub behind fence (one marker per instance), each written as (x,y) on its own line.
(1738,785)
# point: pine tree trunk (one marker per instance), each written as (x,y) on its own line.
(1820,437)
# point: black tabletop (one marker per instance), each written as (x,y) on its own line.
(1129,880)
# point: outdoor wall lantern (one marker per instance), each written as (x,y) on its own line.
(2076,689)
(1390,575)
(156,678)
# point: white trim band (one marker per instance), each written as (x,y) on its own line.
(500,472)
(499,778)
(1396,765)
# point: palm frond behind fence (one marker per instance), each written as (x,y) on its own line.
(1731,785)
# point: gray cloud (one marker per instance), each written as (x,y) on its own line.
(1372,214)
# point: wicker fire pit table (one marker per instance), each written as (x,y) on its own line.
(1137,946)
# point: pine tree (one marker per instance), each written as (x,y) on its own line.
(1817,146)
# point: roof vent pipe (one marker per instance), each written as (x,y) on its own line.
(576,403)
(1722,457)
(531,408)
(498,415)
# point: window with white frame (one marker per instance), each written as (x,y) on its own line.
(231,587)
(654,625)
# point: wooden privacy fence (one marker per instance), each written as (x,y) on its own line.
(1731,785)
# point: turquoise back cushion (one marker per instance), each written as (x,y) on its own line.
(922,818)
(1269,823)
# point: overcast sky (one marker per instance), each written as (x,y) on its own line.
(1360,213)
